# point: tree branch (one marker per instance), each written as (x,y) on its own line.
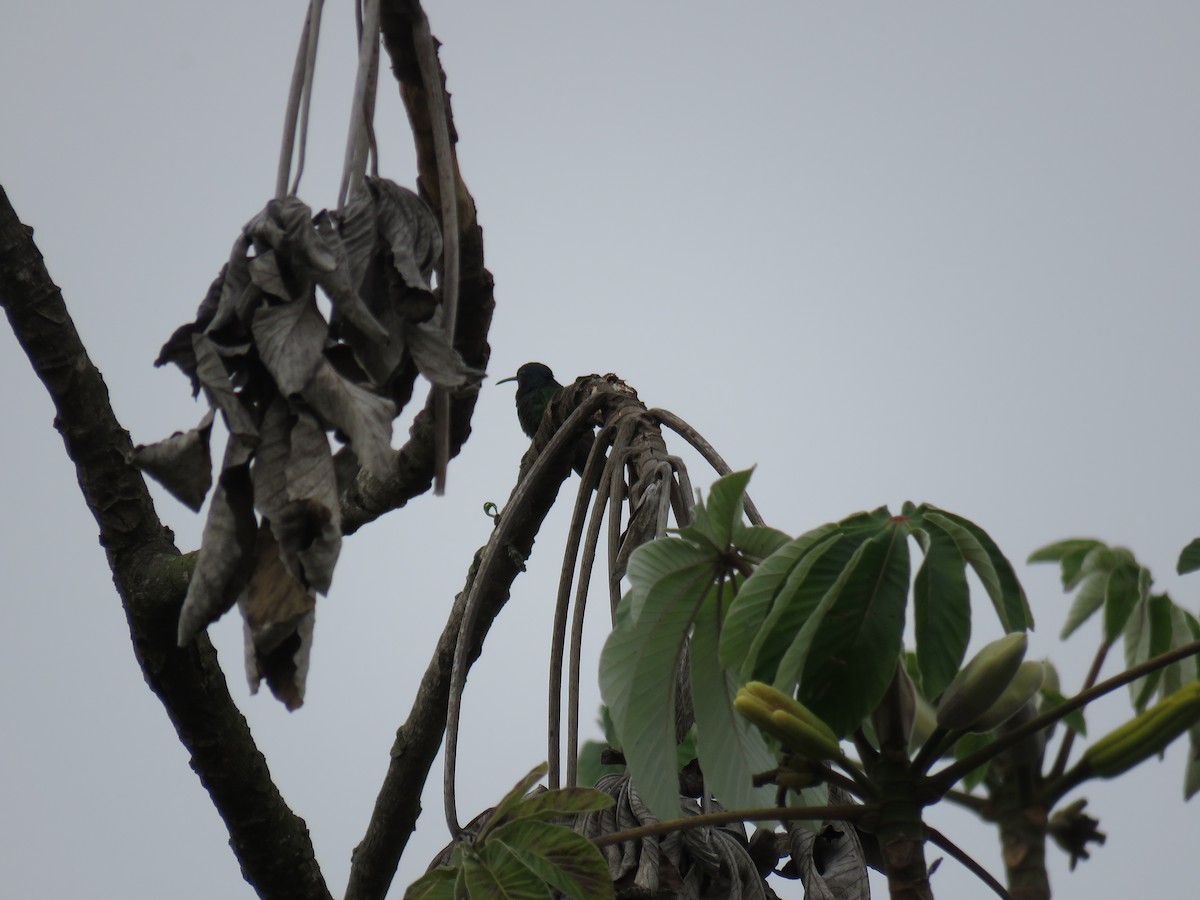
(368,499)
(271,842)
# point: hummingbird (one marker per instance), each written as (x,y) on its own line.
(536,387)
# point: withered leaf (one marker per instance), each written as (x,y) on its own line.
(218,389)
(237,294)
(226,557)
(181,463)
(295,489)
(265,275)
(178,348)
(290,338)
(278,614)
(362,415)
(409,229)
(435,358)
(341,288)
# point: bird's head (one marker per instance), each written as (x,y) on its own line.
(531,376)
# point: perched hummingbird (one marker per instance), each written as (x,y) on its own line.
(536,387)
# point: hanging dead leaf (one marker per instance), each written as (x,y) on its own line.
(226,557)
(181,463)
(436,359)
(278,614)
(360,414)
(290,338)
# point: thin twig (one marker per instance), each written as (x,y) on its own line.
(965,859)
(1064,749)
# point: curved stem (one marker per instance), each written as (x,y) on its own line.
(705,449)
(842,813)
(962,857)
(554,454)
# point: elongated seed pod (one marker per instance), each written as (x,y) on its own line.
(1145,734)
(801,737)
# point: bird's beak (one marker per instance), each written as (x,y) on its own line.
(510,378)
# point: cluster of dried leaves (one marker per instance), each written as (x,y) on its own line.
(282,378)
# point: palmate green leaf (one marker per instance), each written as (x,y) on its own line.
(757,542)
(567,801)
(512,799)
(731,751)
(831,569)
(994,570)
(1184,630)
(1089,599)
(852,657)
(756,597)
(495,874)
(1128,584)
(726,501)
(798,606)
(1147,634)
(941,611)
(670,580)
(1070,554)
(556,856)
(1189,559)
(438,884)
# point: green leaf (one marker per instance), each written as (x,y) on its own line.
(558,856)
(731,752)
(853,653)
(782,644)
(1191,775)
(512,799)
(437,884)
(757,542)
(1189,559)
(993,569)
(1127,585)
(495,874)
(1147,633)
(1089,599)
(638,664)
(1070,554)
(757,597)
(567,801)
(726,501)
(941,611)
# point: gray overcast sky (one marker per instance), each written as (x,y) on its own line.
(942,252)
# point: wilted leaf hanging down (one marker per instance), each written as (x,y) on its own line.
(226,556)
(181,463)
(278,614)
(282,377)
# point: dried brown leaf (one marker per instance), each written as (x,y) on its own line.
(359,413)
(226,557)
(290,338)
(436,359)
(181,463)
